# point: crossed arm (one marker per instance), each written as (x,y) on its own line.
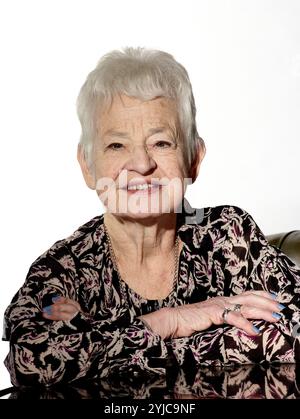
(63,343)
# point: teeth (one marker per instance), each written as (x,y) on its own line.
(140,187)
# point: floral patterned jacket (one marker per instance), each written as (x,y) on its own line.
(224,253)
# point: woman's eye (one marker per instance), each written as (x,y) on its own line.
(115,146)
(163,144)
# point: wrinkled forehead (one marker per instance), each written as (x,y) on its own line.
(122,101)
(125,110)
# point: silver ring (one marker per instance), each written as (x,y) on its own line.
(225,314)
(237,307)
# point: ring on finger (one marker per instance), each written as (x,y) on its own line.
(237,307)
(225,314)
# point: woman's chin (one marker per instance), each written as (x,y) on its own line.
(140,214)
(142,204)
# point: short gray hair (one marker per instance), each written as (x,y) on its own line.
(142,73)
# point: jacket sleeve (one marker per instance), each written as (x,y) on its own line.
(48,352)
(252,264)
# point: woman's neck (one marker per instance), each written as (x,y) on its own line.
(141,241)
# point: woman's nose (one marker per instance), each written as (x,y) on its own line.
(140,160)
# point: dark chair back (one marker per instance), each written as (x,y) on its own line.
(288,243)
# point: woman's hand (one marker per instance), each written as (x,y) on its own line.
(185,320)
(259,305)
(61,309)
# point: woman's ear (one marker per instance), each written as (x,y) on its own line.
(86,170)
(199,156)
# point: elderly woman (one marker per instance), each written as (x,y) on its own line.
(148,282)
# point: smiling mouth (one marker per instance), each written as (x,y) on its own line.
(142,188)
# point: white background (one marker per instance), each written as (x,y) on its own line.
(243,58)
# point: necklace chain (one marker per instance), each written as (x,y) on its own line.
(114,259)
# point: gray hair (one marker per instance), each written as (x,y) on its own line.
(144,74)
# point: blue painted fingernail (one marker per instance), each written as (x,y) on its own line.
(48,310)
(277,315)
(281,306)
(54,299)
(273,295)
(256,330)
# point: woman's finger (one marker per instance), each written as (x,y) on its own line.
(251,312)
(64,308)
(64,300)
(266,294)
(59,316)
(256,300)
(60,311)
(235,319)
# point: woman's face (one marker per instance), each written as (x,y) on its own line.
(139,143)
